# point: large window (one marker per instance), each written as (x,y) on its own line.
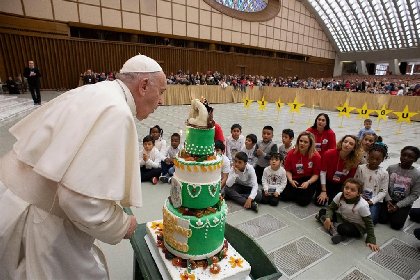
(244,5)
(249,10)
(367,25)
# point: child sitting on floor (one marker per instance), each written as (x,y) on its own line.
(273,180)
(149,161)
(249,149)
(287,136)
(241,185)
(375,179)
(220,150)
(168,169)
(160,144)
(235,141)
(348,215)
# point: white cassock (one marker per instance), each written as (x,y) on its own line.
(75,161)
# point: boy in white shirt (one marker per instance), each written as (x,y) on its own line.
(273,180)
(167,163)
(234,142)
(249,148)
(220,150)
(149,161)
(241,185)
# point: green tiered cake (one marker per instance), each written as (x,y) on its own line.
(194,216)
(190,243)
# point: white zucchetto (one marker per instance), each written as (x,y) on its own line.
(140,64)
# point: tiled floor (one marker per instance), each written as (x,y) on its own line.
(298,245)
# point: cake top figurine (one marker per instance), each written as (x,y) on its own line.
(201,114)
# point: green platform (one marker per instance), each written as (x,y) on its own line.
(262,267)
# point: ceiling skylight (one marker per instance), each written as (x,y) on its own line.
(371,25)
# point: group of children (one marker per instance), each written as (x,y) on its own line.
(372,195)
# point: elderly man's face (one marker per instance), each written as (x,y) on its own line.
(150,95)
(31,64)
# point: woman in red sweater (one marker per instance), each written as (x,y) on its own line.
(302,166)
(324,135)
(337,166)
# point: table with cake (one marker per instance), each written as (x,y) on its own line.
(189,242)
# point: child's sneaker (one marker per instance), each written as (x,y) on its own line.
(155,180)
(164,179)
(254,206)
(335,236)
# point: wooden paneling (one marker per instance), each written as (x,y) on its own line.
(61,60)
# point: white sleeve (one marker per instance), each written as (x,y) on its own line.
(364,211)
(254,183)
(383,188)
(154,163)
(163,149)
(141,160)
(264,180)
(226,165)
(231,178)
(227,150)
(102,219)
(283,182)
(323,177)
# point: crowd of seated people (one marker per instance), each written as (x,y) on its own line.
(90,77)
(15,85)
(389,84)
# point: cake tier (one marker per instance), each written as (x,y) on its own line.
(199,141)
(194,172)
(189,237)
(193,195)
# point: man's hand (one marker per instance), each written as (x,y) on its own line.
(145,157)
(276,194)
(131,228)
(304,185)
(248,203)
(294,183)
(266,193)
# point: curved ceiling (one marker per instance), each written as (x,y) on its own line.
(375,25)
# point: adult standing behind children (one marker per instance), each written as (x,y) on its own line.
(324,135)
(33,76)
(75,160)
(302,166)
(337,165)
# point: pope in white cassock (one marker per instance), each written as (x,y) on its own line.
(74,163)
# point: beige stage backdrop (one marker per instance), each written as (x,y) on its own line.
(321,99)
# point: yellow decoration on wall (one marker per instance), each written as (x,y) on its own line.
(345,110)
(188,168)
(279,105)
(364,112)
(262,103)
(195,168)
(295,106)
(203,168)
(405,116)
(383,112)
(247,102)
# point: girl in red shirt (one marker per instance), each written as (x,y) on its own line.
(324,135)
(337,166)
(302,170)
